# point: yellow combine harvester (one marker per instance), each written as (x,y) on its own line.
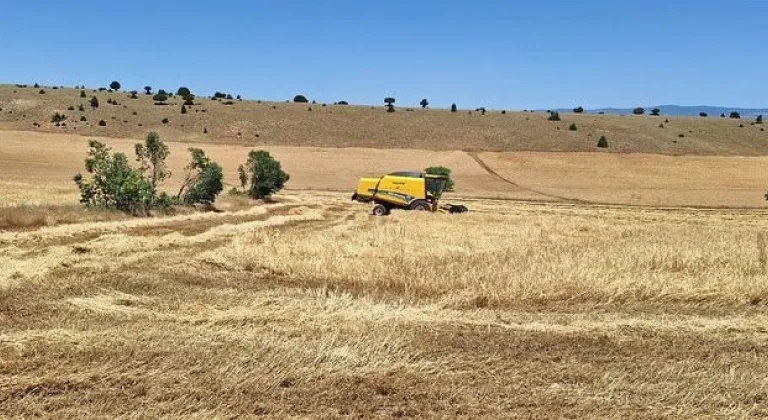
(404,190)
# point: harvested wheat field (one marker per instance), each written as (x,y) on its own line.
(309,307)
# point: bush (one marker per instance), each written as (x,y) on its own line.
(102,123)
(239,98)
(441,170)
(229,97)
(82,94)
(41,92)
(638,111)
(424,103)
(703,114)
(661,125)
(602,142)
(71,108)
(265,176)
(134,94)
(183,109)
(94,102)
(36,86)
(503,111)
(202,179)
(655,112)
(553,116)
(573,127)
(681,135)
(183,91)
(578,110)
(165,121)
(82,118)
(57,118)
(300,99)
(160,98)
(219,95)
(115,85)
(109,101)
(453,108)
(735,115)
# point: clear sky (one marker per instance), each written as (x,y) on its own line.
(498,54)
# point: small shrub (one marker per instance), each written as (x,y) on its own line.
(661,125)
(390,108)
(82,118)
(309,109)
(228,103)
(109,101)
(183,109)
(205,130)
(71,108)
(160,98)
(602,142)
(759,119)
(638,111)
(503,111)
(102,123)
(578,110)
(165,121)
(741,125)
(735,115)
(41,92)
(681,135)
(573,127)
(94,102)
(703,114)
(134,94)
(342,103)
(57,118)
(82,94)
(553,116)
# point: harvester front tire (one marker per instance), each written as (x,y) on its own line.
(380,210)
(420,205)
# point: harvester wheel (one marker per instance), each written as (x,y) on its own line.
(380,210)
(419,205)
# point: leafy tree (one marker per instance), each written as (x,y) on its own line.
(147,90)
(94,102)
(41,92)
(703,114)
(389,101)
(113,183)
(300,99)
(243,176)
(735,115)
(342,103)
(553,116)
(602,142)
(160,97)
(82,94)
(424,103)
(578,110)
(115,85)
(151,156)
(638,111)
(265,174)
(182,91)
(202,179)
(655,112)
(453,108)
(441,170)
(229,97)
(134,94)
(219,95)
(722,115)
(57,118)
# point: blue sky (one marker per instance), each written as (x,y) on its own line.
(497,54)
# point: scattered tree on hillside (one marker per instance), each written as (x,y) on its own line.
(102,123)
(57,117)
(134,94)
(578,110)
(655,112)
(41,92)
(300,99)
(722,115)
(183,91)
(115,85)
(183,109)
(703,114)
(36,86)
(94,102)
(553,116)
(219,95)
(638,111)
(147,90)
(453,107)
(202,179)
(239,98)
(441,170)
(160,98)
(389,101)
(81,108)
(759,119)
(82,94)
(342,103)
(424,103)
(229,96)
(735,115)
(265,175)
(602,142)
(573,127)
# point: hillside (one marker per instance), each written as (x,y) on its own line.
(256,123)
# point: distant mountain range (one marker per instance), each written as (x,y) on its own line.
(678,110)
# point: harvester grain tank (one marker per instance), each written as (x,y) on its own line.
(404,190)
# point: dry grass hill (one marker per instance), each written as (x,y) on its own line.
(255,123)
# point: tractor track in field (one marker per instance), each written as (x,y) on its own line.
(498,176)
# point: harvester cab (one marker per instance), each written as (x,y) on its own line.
(404,190)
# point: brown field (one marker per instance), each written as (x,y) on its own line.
(256,124)
(580,285)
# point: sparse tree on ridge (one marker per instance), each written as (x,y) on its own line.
(115,85)
(424,103)
(147,90)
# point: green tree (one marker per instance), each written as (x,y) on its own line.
(655,112)
(453,108)
(638,111)
(578,110)
(300,99)
(147,90)
(94,102)
(243,176)
(160,98)
(182,91)
(113,183)
(441,170)
(389,101)
(703,114)
(603,142)
(265,174)
(202,179)
(573,127)
(151,156)
(115,85)
(735,115)
(424,103)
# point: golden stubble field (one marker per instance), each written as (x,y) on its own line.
(309,307)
